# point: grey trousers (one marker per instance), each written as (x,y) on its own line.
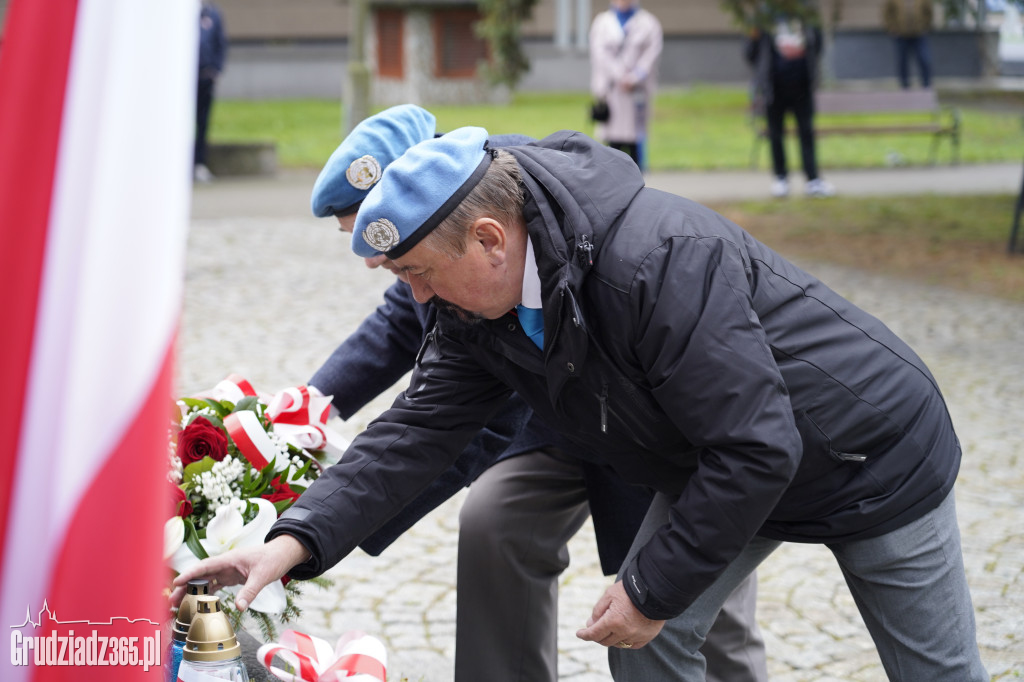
(909,586)
(514,527)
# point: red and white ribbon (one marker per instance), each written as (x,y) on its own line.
(234,387)
(300,417)
(356,658)
(249,437)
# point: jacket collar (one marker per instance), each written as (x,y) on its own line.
(576,189)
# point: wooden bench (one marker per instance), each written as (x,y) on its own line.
(241,158)
(934,120)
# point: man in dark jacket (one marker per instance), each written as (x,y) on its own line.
(531,492)
(761,405)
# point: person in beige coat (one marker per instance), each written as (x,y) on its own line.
(625,45)
(909,22)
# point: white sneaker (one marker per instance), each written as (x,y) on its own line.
(780,188)
(819,188)
(202,174)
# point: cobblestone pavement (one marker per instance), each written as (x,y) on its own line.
(270,292)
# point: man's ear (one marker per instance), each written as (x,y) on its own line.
(492,238)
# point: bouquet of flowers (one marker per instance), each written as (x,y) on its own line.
(236,461)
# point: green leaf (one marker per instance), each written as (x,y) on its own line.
(301,472)
(221,408)
(251,511)
(249,402)
(256,486)
(192,540)
(196,403)
(193,470)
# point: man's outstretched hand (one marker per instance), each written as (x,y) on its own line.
(253,567)
(616,622)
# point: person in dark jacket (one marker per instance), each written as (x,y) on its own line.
(785,59)
(531,491)
(213,49)
(762,406)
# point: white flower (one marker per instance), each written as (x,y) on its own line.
(174,536)
(221,483)
(227,530)
(174,468)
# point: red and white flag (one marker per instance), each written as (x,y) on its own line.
(97,106)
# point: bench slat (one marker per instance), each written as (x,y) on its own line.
(883,130)
(852,102)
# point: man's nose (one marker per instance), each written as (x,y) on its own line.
(421,291)
(375,262)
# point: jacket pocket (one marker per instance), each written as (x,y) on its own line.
(827,479)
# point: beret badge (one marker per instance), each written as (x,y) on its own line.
(381,234)
(364,172)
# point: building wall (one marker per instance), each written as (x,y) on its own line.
(419,83)
(329,19)
(304,19)
(318,70)
(298,48)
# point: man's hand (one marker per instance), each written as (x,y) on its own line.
(616,622)
(256,567)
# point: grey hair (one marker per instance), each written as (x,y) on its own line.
(499,195)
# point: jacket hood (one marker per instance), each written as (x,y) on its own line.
(576,190)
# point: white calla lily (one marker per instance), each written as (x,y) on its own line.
(174,536)
(227,530)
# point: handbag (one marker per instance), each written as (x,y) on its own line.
(599,111)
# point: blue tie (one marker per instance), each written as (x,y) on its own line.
(532,322)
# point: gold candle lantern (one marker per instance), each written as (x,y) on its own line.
(210,636)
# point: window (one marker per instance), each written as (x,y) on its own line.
(457,47)
(389,42)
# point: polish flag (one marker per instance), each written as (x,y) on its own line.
(97,102)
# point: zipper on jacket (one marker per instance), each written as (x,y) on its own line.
(850,456)
(427,340)
(603,399)
(585,252)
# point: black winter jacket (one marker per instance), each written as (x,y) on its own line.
(383,349)
(689,357)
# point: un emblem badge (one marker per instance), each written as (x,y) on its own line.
(364,172)
(382,235)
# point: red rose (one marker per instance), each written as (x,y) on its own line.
(282,491)
(180,505)
(201,439)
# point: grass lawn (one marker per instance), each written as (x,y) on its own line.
(955,241)
(700,127)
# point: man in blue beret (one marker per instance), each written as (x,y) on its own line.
(677,349)
(530,489)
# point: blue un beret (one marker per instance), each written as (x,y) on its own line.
(419,191)
(356,165)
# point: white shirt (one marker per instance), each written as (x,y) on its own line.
(531,279)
